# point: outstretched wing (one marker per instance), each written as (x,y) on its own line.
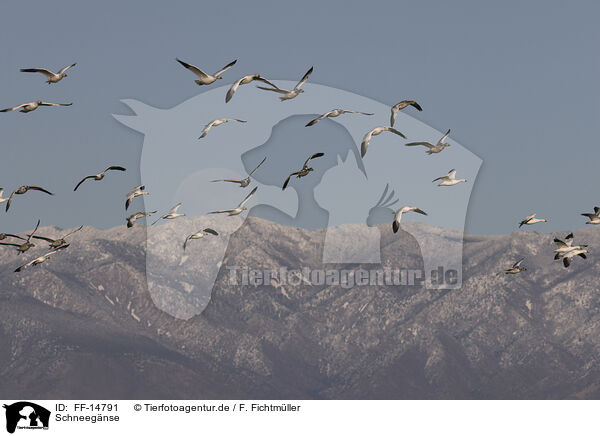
(73,231)
(248,196)
(115,168)
(83,180)
(393,115)
(518,262)
(313,157)
(304,78)
(365,143)
(211,231)
(426,144)
(316,120)
(397,132)
(560,244)
(226,67)
(227,180)
(43,238)
(44,71)
(66,68)
(281,91)
(194,69)
(10,109)
(37,188)
(34,230)
(258,166)
(175,208)
(287,181)
(441,141)
(233,88)
(45,103)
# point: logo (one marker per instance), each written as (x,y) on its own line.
(348,199)
(26,415)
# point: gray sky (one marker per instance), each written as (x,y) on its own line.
(517,83)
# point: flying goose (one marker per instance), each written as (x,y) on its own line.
(41,259)
(449,180)
(376,131)
(304,171)
(100,176)
(437,148)
(132,218)
(566,246)
(52,77)
(22,190)
(22,248)
(199,235)
(55,243)
(243,81)
(171,215)
(334,113)
(217,122)
(531,219)
(135,192)
(243,182)
(398,216)
(238,210)
(399,106)
(516,268)
(289,94)
(568,256)
(594,217)
(206,79)
(28,107)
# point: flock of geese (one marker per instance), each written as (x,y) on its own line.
(565,250)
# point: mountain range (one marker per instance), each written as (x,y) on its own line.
(85,324)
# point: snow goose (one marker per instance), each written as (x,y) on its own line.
(22,248)
(594,217)
(399,106)
(398,216)
(31,106)
(449,180)
(172,214)
(199,235)
(289,94)
(334,113)
(304,171)
(136,216)
(22,190)
(55,243)
(135,192)
(217,122)
(206,79)
(516,268)
(568,256)
(100,176)
(437,148)
(376,131)
(240,208)
(243,81)
(243,182)
(41,259)
(530,220)
(52,77)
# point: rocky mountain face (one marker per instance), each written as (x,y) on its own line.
(87,323)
